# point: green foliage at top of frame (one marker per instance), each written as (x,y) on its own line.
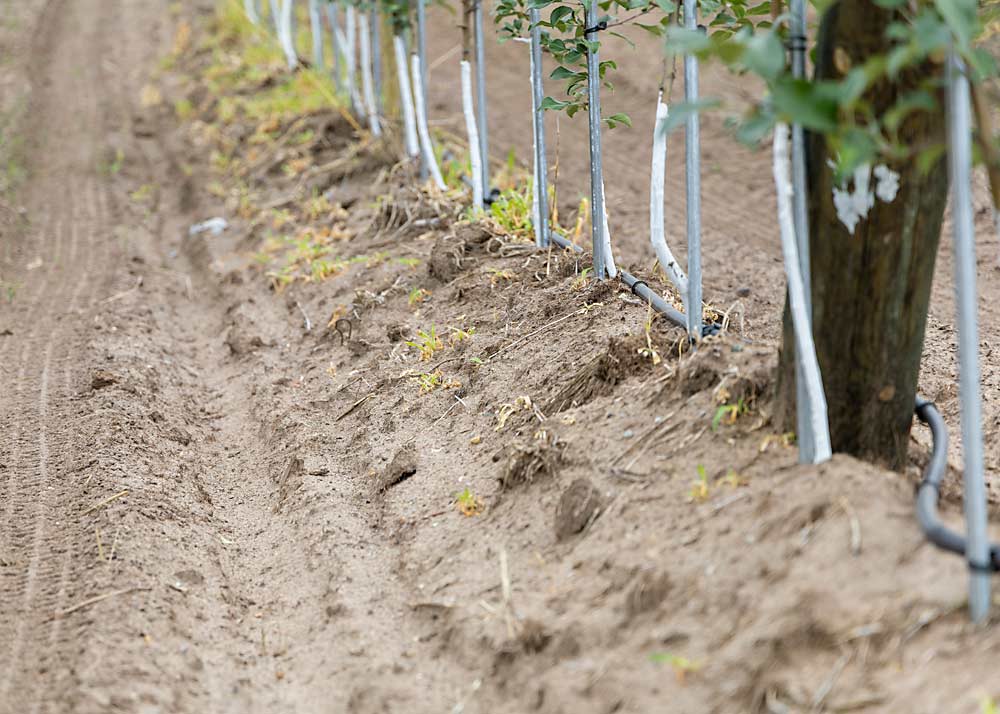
(741,35)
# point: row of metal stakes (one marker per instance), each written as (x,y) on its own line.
(812,426)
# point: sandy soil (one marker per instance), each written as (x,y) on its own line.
(214,501)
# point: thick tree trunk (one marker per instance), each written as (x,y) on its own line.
(870,289)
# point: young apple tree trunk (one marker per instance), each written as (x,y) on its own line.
(871,256)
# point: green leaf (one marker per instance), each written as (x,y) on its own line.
(616,119)
(553,104)
(961,17)
(799,101)
(560,13)
(566,73)
(681,41)
(764,55)
(679,113)
(852,148)
(928,158)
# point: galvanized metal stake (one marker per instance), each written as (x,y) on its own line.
(692,166)
(377,58)
(422,54)
(800,215)
(596,167)
(960,169)
(484,143)
(538,119)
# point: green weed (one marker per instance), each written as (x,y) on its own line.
(427,343)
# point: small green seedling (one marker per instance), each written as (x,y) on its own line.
(729,413)
(468,503)
(427,343)
(581,280)
(417,296)
(699,487)
(459,335)
(429,381)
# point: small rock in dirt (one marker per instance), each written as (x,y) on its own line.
(402,466)
(743,292)
(646,594)
(6,332)
(179,435)
(102,378)
(578,504)
(190,577)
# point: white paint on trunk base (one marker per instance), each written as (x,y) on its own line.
(367,80)
(609,258)
(350,54)
(251,10)
(805,348)
(657,230)
(276,17)
(316,28)
(420,102)
(472,131)
(406,98)
(285,34)
(854,205)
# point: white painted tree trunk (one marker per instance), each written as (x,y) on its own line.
(609,257)
(276,17)
(285,34)
(251,11)
(406,98)
(367,81)
(805,348)
(420,103)
(657,228)
(350,53)
(316,28)
(468,108)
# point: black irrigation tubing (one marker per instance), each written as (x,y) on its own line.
(641,290)
(930,490)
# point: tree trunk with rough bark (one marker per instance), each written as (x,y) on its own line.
(870,288)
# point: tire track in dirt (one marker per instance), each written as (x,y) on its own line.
(44,535)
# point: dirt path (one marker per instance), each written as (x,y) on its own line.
(149,558)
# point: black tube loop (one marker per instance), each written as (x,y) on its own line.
(602,25)
(930,488)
